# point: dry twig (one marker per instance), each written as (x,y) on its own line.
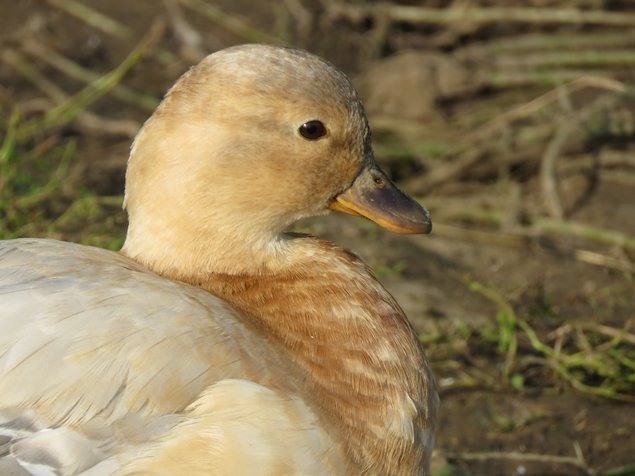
(87,120)
(548,180)
(479,15)
(539,103)
(92,17)
(605,261)
(75,71)
(192,48)
(235,25)
(523,457)
(77,104)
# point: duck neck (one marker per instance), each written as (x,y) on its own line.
(161,248)
(356,357)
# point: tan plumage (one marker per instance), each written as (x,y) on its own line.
(215,343)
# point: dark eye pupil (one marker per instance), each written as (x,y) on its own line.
(312,130)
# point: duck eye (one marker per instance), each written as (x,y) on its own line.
(312,130)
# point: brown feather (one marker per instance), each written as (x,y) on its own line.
(329,315)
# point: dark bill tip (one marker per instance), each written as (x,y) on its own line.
(373,196)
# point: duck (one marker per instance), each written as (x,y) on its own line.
(216,342)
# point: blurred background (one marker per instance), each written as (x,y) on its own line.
(512,121)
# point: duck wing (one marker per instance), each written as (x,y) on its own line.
(98,355)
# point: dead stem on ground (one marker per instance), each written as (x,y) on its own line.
(75,105)
(462,13)
(609,359)
(578,461)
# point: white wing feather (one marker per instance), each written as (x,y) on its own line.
(98,354)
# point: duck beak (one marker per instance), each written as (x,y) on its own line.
(373,196)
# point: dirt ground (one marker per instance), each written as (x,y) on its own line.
(517,131)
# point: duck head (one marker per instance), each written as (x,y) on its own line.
(247,142)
